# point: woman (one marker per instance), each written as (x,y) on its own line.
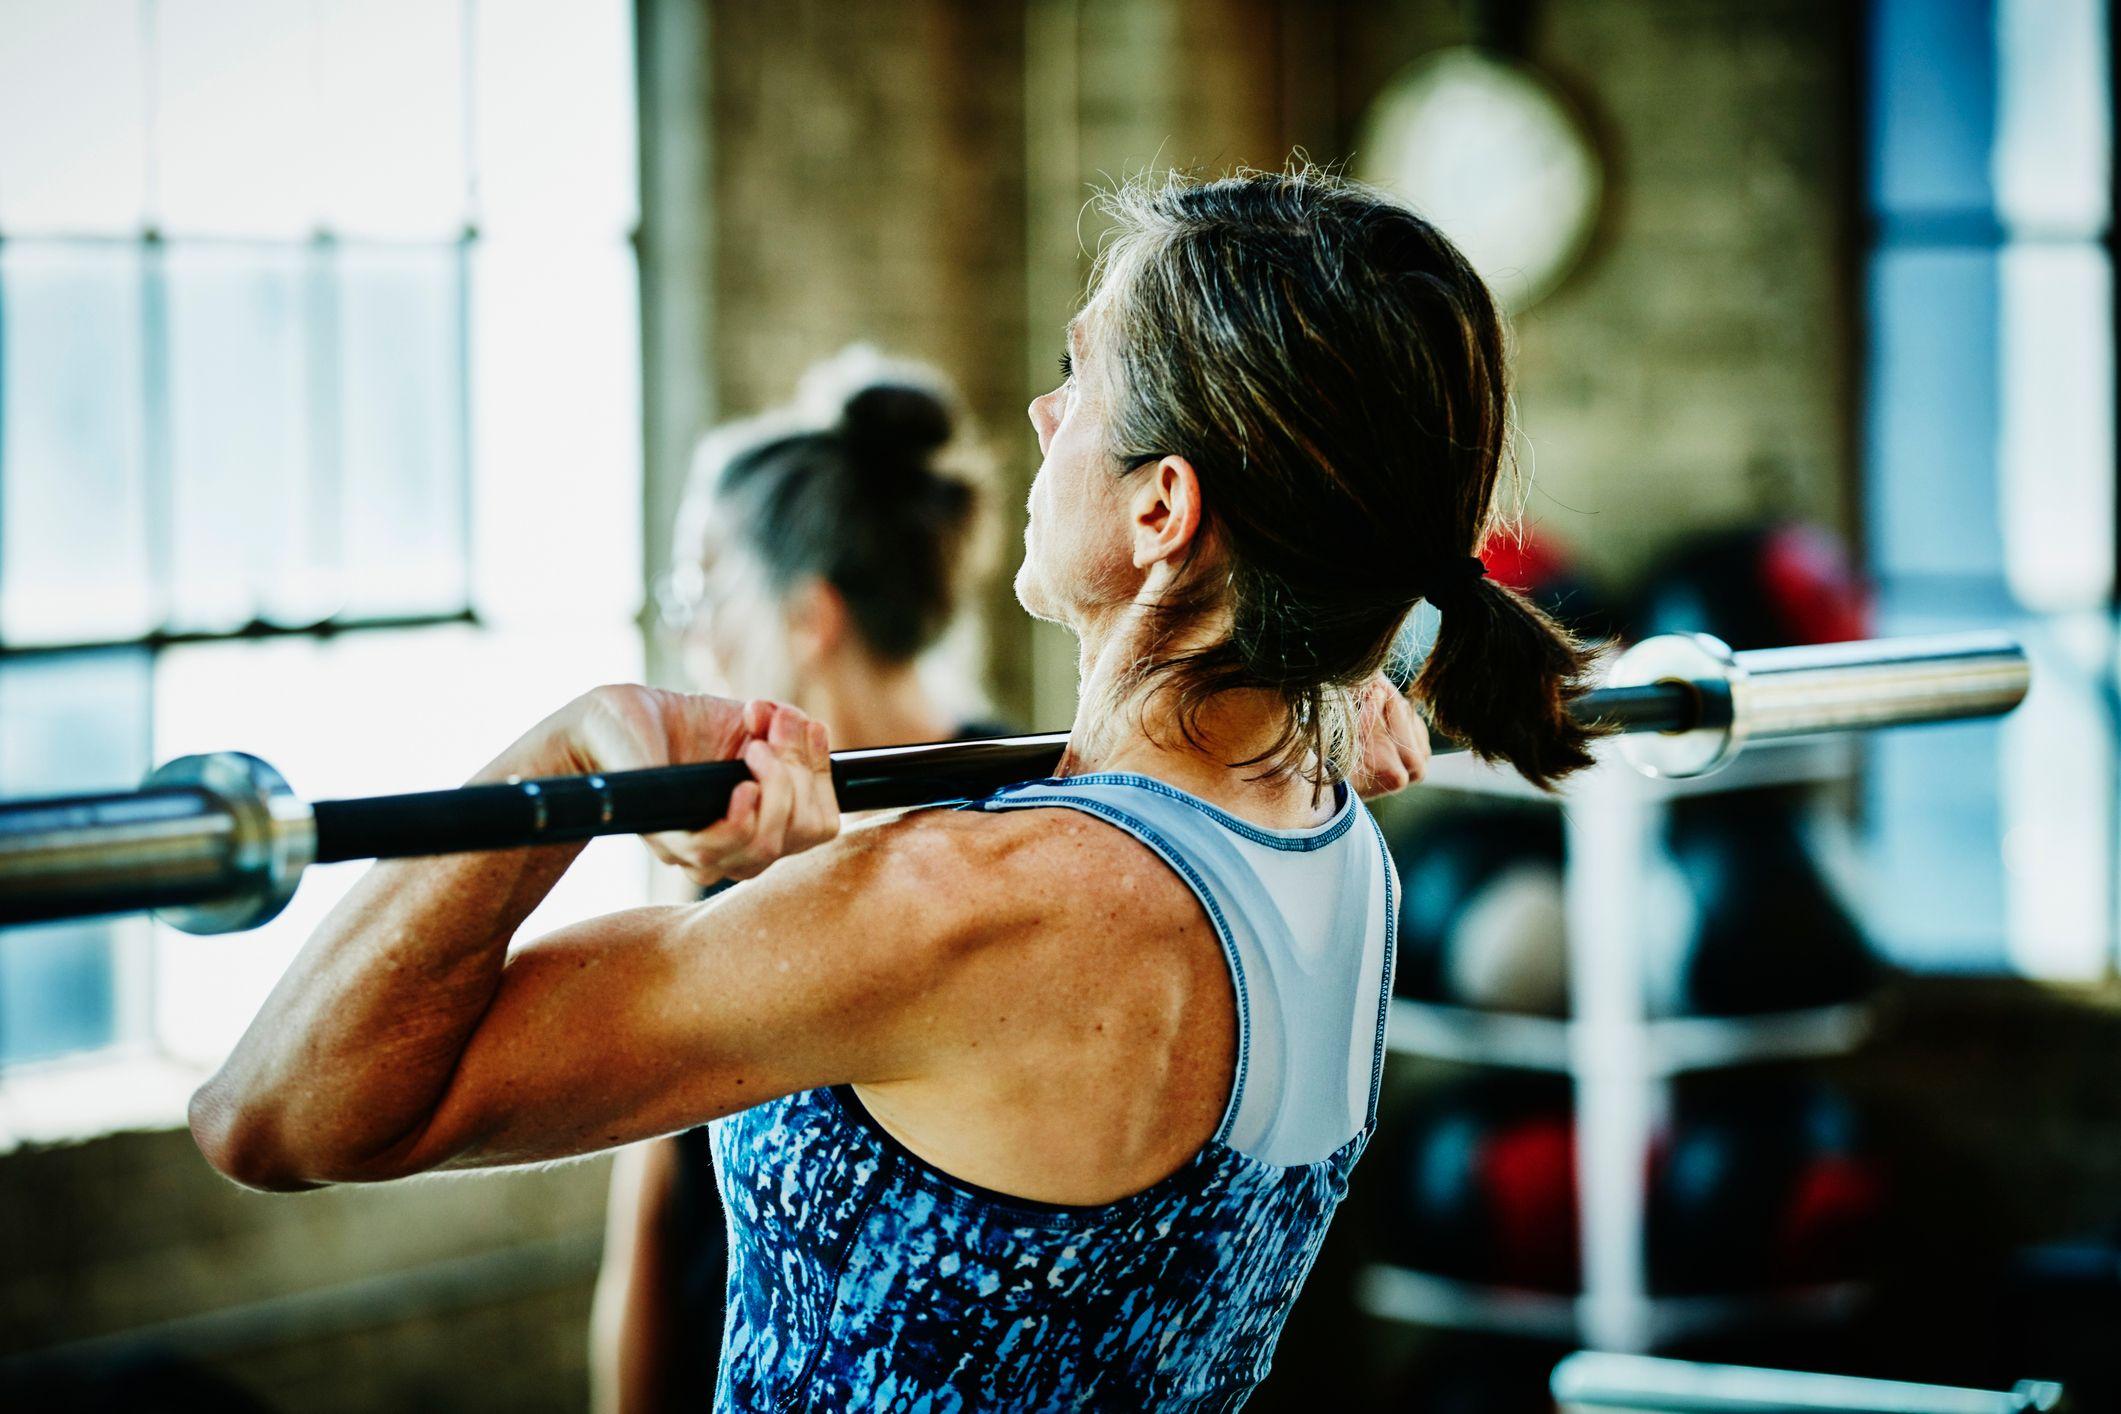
(1044,1102)
(822,550)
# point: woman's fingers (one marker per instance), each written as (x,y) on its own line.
(818,817)
(695,851)
(788,805)
(1377,773)
(1395,741)
(1409,736)
(662,848)
(777,787)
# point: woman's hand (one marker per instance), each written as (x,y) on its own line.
(1395,741)
(787,807)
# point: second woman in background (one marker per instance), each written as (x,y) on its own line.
(821,551)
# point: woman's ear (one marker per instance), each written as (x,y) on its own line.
(1164,512)
(817,621)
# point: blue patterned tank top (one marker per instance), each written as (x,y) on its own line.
(862,1277)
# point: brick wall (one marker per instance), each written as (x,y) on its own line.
(1697,368)
(918,175)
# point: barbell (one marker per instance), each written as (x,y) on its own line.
(217,843)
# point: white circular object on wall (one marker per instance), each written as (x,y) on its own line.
(1491,152)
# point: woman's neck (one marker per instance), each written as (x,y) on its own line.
(1121,725)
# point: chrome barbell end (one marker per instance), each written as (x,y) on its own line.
(1706,666)
(1769,694)
(273,840)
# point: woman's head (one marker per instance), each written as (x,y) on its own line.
(1289,424)
(840,527)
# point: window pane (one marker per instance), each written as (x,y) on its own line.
(553,117)
(2057,437)
(235,123)
(403,480)
(1990,844)
(390,82)
(58,990)
(1933,106)
(1932,421)
(73,117)
(280,119)
(2053,139)
(1934,889)
(556,432)
(2057,803)
(74,551)
(72,723)
(247,537)
(367,714)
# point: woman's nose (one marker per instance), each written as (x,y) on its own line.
(1041,414)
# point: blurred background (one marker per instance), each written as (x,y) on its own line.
(352,356)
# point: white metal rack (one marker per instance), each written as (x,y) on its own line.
(1620,1060)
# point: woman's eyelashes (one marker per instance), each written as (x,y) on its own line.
(1067,367)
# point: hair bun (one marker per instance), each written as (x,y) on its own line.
(896,421)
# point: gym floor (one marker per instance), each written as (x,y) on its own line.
(1814,329)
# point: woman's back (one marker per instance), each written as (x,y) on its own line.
(866,1276)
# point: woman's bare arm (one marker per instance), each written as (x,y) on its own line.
(629,1325)
(620,1028)
(364,1038)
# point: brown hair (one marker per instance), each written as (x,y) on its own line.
(1335,371)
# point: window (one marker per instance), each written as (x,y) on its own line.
(319,428)
(1990,471)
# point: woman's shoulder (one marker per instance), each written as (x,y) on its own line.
(1031,866)
(1016,844)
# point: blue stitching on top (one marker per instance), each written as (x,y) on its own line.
(1384,1000)
(1325,834)
(1147,834)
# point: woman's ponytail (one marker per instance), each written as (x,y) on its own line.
(1501,678)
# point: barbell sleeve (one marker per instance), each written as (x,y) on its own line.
(1771,693)
(218,843)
